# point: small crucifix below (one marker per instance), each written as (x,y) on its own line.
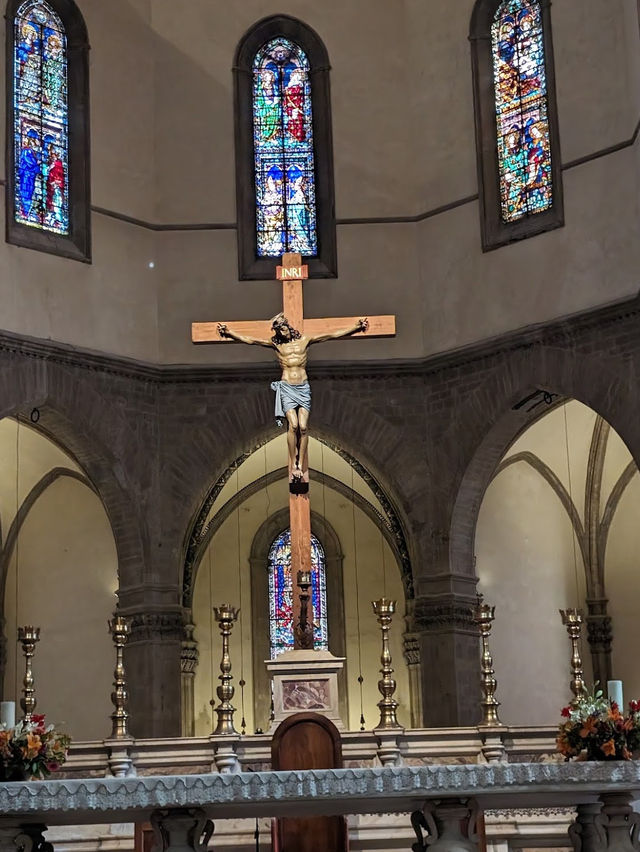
(290,335)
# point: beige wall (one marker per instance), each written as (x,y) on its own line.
(527,567)
(62,577)
(162,150)
(223,577)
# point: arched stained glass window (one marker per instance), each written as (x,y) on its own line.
(516,120)
(281,595)
(41,119)
(524,155)
(47,128)
(284,158)
(284,149)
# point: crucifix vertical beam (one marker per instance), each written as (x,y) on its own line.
(292,273)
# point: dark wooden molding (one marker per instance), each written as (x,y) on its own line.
(77,244)
(250,266)
(494,231)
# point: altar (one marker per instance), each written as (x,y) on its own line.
(441,802)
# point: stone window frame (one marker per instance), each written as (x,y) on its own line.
(77,244)
(250,266)
(494,232)
(259,570)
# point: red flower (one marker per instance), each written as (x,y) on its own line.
(565,712)
(634,706)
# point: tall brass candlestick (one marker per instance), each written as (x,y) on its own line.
(226,616)
(29,637)
(572,620)
(483,615)
(120,629)
(384,610)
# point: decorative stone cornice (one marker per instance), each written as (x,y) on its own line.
(552,332)
(411,649)
(156,625)
(436,616)
(599,632)
(189,656)
(337,791)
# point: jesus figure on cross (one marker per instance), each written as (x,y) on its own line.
(293,394)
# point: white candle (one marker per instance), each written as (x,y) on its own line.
(8,713)
(614,691)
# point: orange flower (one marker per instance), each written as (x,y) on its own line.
(626,754)
(5,739)
(608,748)
(613,713)
(33,746)
(589,727)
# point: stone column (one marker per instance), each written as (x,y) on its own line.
(450,661)
(181,830)
(446,825)
(23,838)
(152,661)
(599,637)
(188,665)
(610,825)
(411,650)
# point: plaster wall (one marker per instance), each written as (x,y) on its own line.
(162,151)
(67,577)
(223,576)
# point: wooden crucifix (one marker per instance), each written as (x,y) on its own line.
(290,335)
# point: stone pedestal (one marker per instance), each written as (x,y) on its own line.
(303,682)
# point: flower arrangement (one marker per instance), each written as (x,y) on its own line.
(595,729)
(31,749)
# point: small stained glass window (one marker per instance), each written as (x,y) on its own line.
(281,593)
(524,155)
(40,119)
(283,151)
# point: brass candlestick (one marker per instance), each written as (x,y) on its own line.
(483,616)
(304,628)
(384,610)
(29,637)
(572,620)
(226,616)
(119,628)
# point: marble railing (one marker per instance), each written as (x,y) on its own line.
(443,800)
(415,747)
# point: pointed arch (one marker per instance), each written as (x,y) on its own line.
(517,139)
(47,142)
(284,149)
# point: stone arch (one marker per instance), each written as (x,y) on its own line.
(73,414)
(258,559)
(596,382)
(199,532)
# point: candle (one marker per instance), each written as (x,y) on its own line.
(8,713)
(614,691)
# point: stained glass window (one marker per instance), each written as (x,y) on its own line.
(41,142)
(524,155)
(283,151)
(281,591)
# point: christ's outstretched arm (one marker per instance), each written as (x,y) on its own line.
(225,331)
(361,325)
